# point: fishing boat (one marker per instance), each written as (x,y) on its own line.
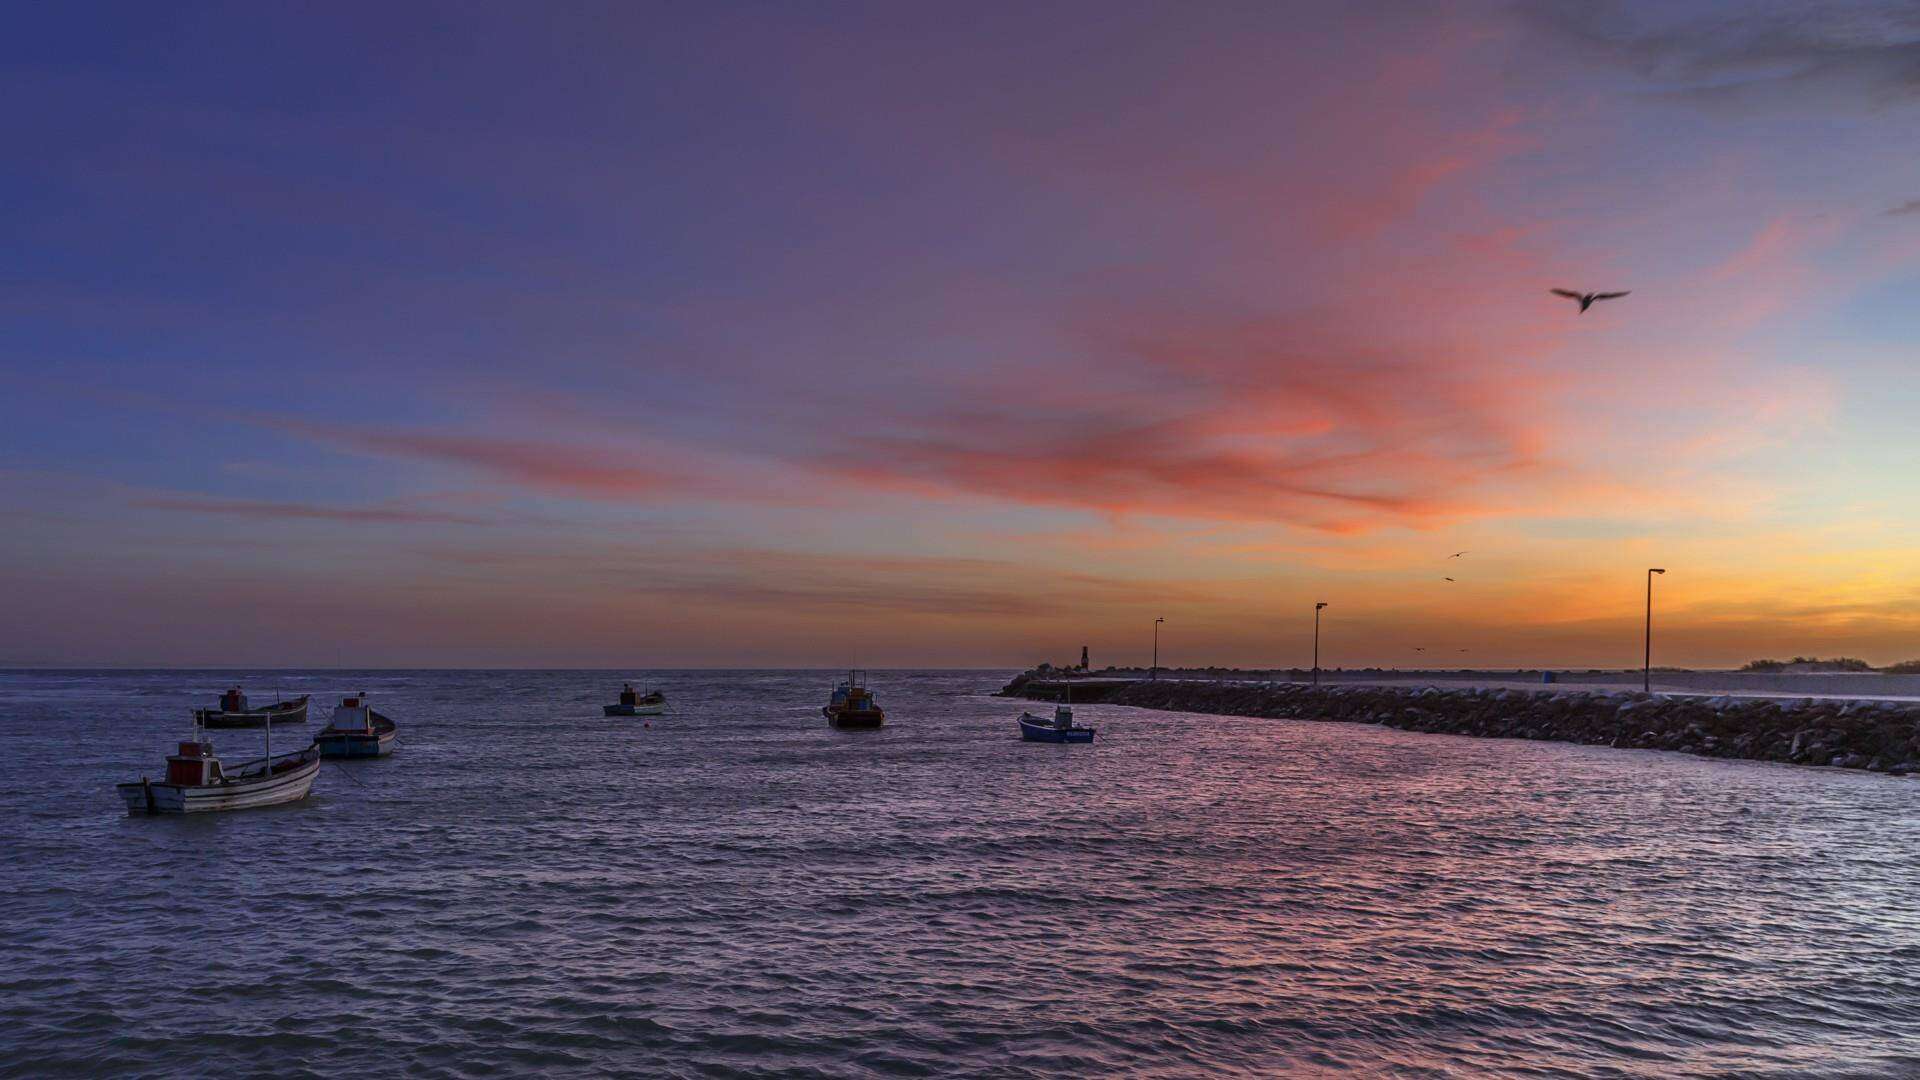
(198,782)
(634,703)
(356,731)
(852,707)
(1060,729)
(234,712)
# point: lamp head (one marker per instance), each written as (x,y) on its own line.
(1319,605)
(1655,570)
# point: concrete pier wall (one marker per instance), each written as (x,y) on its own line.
(1883,736)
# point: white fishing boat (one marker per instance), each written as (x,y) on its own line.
(356,731)
(198,782)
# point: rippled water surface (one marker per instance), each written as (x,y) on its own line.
(527,887)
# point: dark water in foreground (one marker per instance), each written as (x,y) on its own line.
(528,888)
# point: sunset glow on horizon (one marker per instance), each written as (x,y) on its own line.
(784,336)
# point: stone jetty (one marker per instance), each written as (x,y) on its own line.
(1854,734)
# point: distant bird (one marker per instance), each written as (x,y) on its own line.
(1456,554)
(1419,648)
(1449,579)
(1587,299)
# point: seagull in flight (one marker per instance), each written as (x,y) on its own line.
(1449,579)
(1456,554)
(1587,299)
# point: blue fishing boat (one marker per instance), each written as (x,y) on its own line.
(1060,729)
(851,707)
(356,731)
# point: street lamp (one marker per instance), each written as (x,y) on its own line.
(1646,667)
(1316,641)
(1154,671)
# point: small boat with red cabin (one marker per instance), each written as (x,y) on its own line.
(235,713)
(198,782)
(852,708)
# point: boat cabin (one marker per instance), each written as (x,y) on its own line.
(852,693)
(194,765)
(628,696)
(352,715)
(233,701)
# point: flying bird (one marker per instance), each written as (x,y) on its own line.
(1587,299)
(1456,554)
(1449,579)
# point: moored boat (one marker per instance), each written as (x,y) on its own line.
(356,731)
(1060,729)
(234,712)
(634,703)
(852,708)
(197,782)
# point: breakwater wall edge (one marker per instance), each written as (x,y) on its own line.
(1877,735)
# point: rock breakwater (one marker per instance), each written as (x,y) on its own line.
(1876,735)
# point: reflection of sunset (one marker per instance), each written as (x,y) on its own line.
(945,345)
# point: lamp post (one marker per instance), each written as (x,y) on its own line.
(1316,641)
(1154,671)
(1646,667)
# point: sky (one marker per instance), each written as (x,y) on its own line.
(658,335)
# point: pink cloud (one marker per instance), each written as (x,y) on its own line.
(1342,446)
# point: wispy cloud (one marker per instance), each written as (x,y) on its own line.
(635,470)
(296,511)
(1911,206)
(812,585)
(1763,54)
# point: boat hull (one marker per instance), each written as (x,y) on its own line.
(1035,730)
(854,719)
(284,786)
(358,741)
(634,710)
(286,712)
(355,744)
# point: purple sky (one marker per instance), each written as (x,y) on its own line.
(798,335)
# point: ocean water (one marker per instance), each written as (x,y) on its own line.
(528,888)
